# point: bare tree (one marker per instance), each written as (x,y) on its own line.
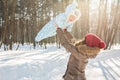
(22,19)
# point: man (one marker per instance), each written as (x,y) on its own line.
(80,51)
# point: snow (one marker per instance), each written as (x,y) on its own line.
(27,63)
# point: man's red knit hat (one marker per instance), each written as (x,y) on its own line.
(93,40)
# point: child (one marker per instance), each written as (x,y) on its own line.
(80,51)
(63,20)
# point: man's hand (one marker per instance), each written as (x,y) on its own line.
(65,29)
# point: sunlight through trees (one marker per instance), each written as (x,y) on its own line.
(20,20)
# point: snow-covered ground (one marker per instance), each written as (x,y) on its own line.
(50,64)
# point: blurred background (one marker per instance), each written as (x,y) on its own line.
(20,20)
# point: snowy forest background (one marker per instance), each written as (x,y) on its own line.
(20,20)
(21,58)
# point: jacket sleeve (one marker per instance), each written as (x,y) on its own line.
(67,45)
(91,52)
(69,37)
